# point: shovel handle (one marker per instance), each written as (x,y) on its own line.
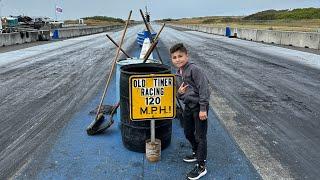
(117,46)
(113,64)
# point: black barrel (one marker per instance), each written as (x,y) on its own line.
(134,134)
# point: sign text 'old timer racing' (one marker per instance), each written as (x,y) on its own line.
(152,97)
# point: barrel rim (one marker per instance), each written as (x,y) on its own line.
(166,68)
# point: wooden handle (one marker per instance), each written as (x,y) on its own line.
(149,30)
(145,58)
(113,64)
(118,46)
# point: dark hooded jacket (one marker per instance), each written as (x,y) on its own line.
(198,90)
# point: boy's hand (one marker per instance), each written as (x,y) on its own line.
(203,115)
(182,88)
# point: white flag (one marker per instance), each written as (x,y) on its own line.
(58,9)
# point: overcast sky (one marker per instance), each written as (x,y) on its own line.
(73,9)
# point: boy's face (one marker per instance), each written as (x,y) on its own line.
(179,59)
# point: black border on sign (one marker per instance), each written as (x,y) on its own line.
(152,76)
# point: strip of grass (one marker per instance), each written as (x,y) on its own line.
(98,21)
(305,20)
(294,14)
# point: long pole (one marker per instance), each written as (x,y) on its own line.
(153,133)
(118,46)
(0,8)
(113,64)
(148,26)
(153,45)
(55,11)
(0,16)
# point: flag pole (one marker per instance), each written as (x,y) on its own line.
(0,16)
(55,11)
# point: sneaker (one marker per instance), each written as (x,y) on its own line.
(197,172)
(190,158)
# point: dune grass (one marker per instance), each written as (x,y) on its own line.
(305,20)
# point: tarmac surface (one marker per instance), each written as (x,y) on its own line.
(42,87)
(266,97)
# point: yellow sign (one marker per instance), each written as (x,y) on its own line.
(152,97)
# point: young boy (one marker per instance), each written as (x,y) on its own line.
(193,90)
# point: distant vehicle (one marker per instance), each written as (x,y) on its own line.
(25,19)
(42,22)
(12,22)
(39,23)
(56,24)
(9,24)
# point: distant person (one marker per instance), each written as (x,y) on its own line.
(193,90)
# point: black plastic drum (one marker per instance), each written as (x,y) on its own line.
(134,134)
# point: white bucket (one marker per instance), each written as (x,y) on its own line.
(153,150)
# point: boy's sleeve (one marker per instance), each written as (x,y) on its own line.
(202,83)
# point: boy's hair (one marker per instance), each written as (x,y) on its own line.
(178,47)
